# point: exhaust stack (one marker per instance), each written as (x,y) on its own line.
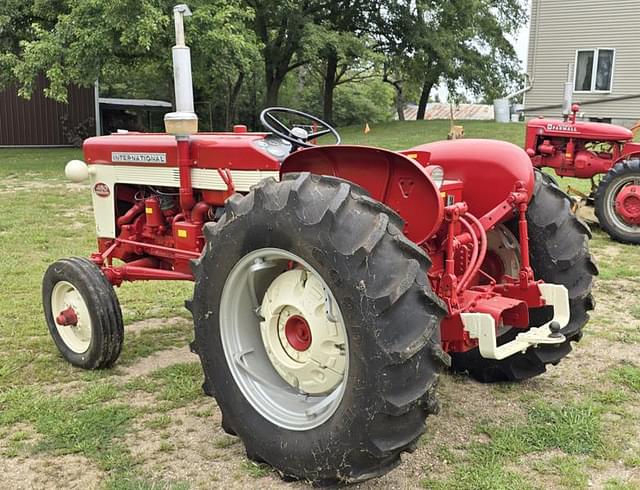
(184,121)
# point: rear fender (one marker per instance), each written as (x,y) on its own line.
(394,179)
(630,150)
(489,169)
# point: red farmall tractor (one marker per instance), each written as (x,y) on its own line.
(332,282)
(586,150)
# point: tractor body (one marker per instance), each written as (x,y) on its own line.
(332,283)
(604,153)
(143,220)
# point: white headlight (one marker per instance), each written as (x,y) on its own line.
(76,171)
(437,174)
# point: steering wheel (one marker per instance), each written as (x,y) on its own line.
(298,136)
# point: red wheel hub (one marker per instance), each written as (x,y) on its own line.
(298,333)
(628,204)
(67,318)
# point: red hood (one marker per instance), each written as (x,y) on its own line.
(590,130)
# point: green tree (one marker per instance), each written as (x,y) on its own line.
(126,44)
(341,46)
(282,27)
(461,41)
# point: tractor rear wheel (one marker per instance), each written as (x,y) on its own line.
(83,313)
(617,202)
(559,254)
(317,329)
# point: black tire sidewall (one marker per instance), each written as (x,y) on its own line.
(96,292)
(604,195)
(320,446)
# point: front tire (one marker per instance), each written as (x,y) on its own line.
(82,313)
(618,211)
(375,288)
(559,254)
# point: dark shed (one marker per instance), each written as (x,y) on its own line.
(44,122)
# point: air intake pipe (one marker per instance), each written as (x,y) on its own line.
(184,121)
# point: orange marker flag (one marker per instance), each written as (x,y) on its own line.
(367,129)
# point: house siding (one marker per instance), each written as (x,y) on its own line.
(558,29)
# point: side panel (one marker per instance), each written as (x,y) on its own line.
(397,181)
(489,169)
(202,179)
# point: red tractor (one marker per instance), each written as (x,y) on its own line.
(586,150)
(332,283)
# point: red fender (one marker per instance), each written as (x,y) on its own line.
(394,179)
(489,169)
(629,150)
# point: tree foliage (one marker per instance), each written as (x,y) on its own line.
(460,42)
(333,56)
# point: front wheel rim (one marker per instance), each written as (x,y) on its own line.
(65,297)
(279,381)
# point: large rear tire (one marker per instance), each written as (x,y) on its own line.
(378,307)
(617,210)
(559,254)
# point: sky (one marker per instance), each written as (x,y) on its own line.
(521,41)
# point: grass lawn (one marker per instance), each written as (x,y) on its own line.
(146,425)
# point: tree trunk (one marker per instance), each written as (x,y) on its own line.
(424,99)
(400,104)
(329,87)
(273,88)
(233,99)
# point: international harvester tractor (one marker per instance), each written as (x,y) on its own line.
(332,282)
(587,150)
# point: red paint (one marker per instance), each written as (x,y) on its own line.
(153,213)
(67,318)
(129,216)
(399,182)
(628,204)
(185,163)
(298,333)
(573,148)
(487,168)
(486,183)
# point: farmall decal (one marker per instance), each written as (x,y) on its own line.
(561,127)
(134,157)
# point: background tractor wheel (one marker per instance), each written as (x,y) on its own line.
(617,202)
(317,329)
(82,313)
(560,255)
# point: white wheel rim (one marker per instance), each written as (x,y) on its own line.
(506,247)
(296,389)
(76,337)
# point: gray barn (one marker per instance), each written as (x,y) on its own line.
(594,45)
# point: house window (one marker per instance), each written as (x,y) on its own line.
(594,70)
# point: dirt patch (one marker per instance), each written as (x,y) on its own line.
(154,324)
(40,472)
(208,458)
(13,185)
(158,360)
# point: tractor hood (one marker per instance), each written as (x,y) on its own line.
(580,129)
(488,168)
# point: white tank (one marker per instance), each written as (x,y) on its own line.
(501,110)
